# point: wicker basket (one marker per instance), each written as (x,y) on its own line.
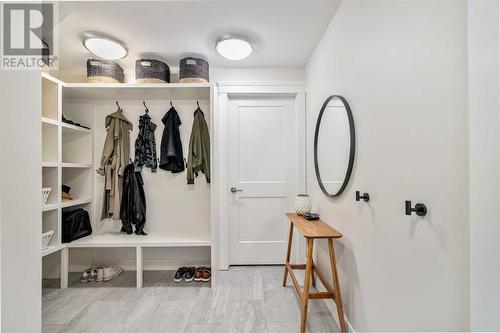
(45,195)
(151,71)
(193,70)
(102,71)
(46,237)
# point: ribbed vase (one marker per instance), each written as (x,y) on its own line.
(302,204)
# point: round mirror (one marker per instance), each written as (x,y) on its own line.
(334,146)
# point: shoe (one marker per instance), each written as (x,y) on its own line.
(206,274)
(111,272)
(179,275)
(92,275)
(85,276)
(198,275)
(189,276)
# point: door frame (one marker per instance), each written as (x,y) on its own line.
(222,93)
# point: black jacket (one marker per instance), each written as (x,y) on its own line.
(171,158)
(133,204)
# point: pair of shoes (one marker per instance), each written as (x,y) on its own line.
(203,274)
(186,273)
(100,273)
(89,275)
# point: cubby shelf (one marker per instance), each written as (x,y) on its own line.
(75,128)
(48,207)
(52,249)
(76,165)
(76,202)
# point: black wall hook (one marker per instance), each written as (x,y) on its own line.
(420,209)
(171,104)
(365,197)
(118,105)
(198,103)
(147,110)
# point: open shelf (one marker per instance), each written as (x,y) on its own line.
(136,91)
(50,177)
(50,221)
(76,147)
(123,240)
(49,207)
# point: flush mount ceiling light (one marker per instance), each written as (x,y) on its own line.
(234,48)
(105,48)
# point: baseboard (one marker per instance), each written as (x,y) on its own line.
(332,308)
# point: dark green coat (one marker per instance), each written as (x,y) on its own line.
(199,149)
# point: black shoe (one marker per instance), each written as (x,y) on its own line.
(190,272)
(179,275)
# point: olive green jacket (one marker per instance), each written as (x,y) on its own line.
(199,149)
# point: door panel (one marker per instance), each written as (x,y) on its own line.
(263,168)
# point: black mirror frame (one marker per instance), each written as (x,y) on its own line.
(352,148)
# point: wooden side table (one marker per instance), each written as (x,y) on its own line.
(312,230)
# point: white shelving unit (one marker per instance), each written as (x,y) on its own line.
(69,159)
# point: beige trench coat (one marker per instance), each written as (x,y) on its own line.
(115,157)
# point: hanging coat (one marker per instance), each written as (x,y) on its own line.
(199,149)
(145,145)
(171,156)
(115,156)
(133,207)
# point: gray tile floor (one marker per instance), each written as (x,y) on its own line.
(244,299)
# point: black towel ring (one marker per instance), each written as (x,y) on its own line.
(147,110)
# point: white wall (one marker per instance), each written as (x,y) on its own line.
(484,130)
(20,201)
(402,66)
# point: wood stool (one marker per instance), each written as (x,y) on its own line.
(312,230)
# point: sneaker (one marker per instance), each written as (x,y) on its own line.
(179,275)
(198,274)
(111,272)
(189,276)
(206,274)
(92,275)
(85,276)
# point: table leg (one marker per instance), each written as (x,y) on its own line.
(290,236)
(336,285)
(307,281)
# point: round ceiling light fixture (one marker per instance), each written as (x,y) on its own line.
(105,48)
(234,48)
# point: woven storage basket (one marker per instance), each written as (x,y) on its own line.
(151,71)
(46,236)
(102,71)
(193,70)
(45,195)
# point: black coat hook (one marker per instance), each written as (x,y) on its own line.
(171,104)
(198,103)
(147,110)
(118,105)
(365,197)
(419,209)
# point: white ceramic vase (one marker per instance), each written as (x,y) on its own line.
(302,204)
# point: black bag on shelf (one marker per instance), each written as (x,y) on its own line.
(75,225)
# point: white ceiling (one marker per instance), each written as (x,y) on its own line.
(284,33)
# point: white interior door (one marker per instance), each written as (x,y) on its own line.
(262,164)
